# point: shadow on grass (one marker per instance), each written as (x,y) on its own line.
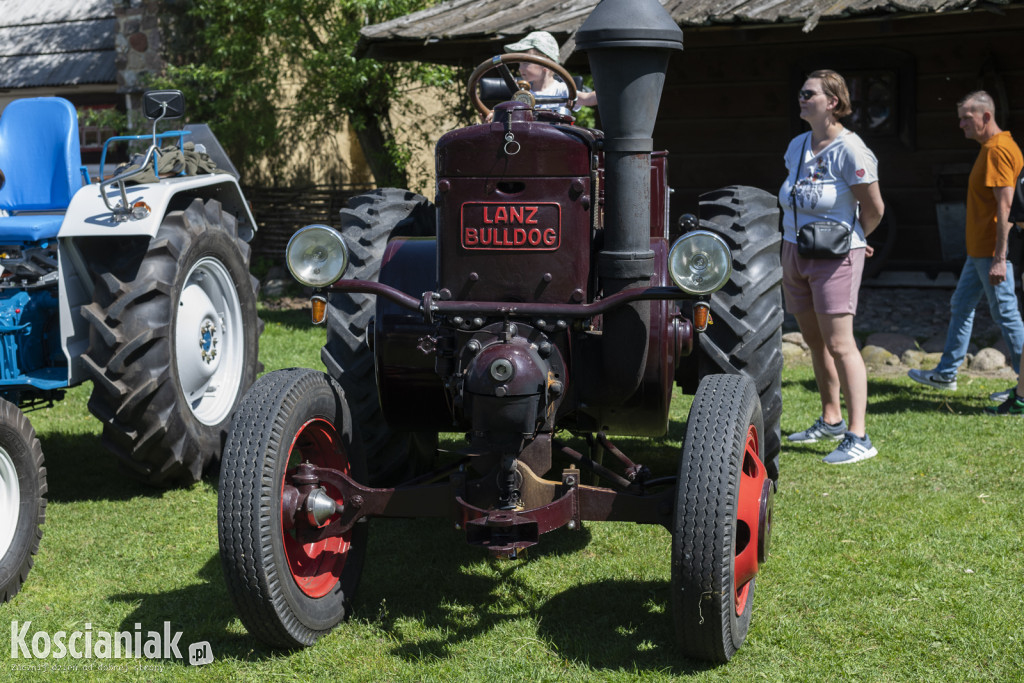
(202,612)
(79,468)
(616,625)
(293,319)
(602,625)
(888,396)
(606,625)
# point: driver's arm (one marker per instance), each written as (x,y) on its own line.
(586,99)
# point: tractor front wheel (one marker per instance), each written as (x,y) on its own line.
(722,520)
(288,592)
(22,498)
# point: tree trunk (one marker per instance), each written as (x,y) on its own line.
(375,143)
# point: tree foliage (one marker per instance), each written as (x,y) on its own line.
(265,74)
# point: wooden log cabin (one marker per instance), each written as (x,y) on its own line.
(729,105)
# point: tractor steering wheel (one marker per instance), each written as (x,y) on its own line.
(500,64)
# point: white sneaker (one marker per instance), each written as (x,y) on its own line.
(852,449)
(820,430)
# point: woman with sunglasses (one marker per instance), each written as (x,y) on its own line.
(831,176)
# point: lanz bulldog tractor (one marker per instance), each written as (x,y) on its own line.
(538,298)
(139,282)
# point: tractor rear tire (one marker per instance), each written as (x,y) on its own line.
(174,343)
(717,533)
(367,224)
(746,335)
(22,498)
(288,594)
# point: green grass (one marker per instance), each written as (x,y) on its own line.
(903,568)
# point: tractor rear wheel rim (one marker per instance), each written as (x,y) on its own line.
(209,341)
(316,567)
(10,501)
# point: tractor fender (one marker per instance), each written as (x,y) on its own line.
(88,215)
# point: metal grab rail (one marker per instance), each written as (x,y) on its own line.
(151,155)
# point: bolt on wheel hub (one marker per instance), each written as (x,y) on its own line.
(208,341)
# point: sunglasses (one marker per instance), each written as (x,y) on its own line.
(807,94)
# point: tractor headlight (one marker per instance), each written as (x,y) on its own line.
(317,256)
(700,262)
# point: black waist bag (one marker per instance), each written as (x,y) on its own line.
(824,239)
(820,239)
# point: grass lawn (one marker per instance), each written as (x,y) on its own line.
(905,567)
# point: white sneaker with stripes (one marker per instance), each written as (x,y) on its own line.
(851,449)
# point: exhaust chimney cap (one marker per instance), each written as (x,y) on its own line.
(629,23)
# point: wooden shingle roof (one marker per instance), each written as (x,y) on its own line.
(436,34)
(56,42)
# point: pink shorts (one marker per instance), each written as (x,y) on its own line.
(825,286)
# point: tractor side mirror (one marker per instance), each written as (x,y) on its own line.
(158,105)
(163,104)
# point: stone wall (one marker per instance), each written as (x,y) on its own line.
(138,44)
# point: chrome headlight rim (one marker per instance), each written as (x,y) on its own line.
(709,244)
(317,256)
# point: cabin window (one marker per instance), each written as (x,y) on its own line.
(874,98)
(882,91)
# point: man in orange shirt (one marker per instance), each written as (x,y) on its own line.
(986,271)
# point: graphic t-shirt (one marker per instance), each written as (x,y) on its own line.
(822,183)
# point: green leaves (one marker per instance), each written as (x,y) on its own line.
(270,76)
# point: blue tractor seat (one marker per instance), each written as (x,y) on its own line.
(42,162)
(29,227)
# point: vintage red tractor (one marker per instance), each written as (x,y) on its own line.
(537,299)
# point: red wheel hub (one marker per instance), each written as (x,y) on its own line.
(753,520)
(316,567)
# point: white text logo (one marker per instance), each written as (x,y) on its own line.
(89,644)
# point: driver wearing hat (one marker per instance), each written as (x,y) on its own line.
(542,79)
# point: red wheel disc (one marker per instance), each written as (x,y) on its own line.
(316,567)
(748,520)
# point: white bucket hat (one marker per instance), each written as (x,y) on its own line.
(541,41)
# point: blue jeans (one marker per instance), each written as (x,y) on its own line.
(1002,304)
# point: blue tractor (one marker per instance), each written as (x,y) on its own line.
(138,283)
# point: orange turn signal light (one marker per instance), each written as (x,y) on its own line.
(318,307)
(140,210)
(701,316)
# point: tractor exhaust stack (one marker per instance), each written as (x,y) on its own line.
(628,43)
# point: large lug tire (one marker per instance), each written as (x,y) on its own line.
(22,498)
(367,224)
(746,335)
(722,520)
(174,343)
(287,594)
